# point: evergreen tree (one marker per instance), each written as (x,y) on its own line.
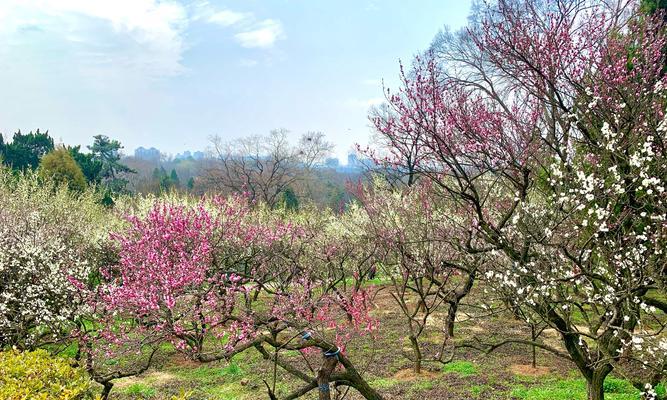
(651,6)
(289,199)
(25,150)
(60,166)
(90,167)
(107,152)
(175,181)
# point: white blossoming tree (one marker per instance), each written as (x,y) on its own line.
(46,237)
(546,121)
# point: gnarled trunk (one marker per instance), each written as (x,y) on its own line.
(595,383)
(324,375)
(358,382)
(455,298)
(106,390)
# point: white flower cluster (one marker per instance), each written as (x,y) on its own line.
(590,246)
(46,238)
(36,265)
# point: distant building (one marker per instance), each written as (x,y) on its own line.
(151,154)
(352,161)
(332,162)
(188,155)
(354,164)
(183,156)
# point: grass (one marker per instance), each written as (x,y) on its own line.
(477,390)
(210,375)
(377,281)
(423,385)
(232,370)
(575,389)
(384,383)
(140,390)
(227,392)
(462,368)
(204,381)
(471,376)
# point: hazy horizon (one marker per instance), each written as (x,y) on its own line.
(169,74)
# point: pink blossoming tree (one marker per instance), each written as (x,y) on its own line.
(220,277)
(546,122)
(418,241)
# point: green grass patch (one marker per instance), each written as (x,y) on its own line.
(423,385)
(476,391)
(377,281)
(207,374)
(291,353)
(463,368)
(167,347)
(140,390)
(70,351)
(661,391)
(67,351)
(227,392)
(575,389)
(384,383)
(215,381)
(232,370)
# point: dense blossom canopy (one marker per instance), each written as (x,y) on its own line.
(546,122)
(46,238)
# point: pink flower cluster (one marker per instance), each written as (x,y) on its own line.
(191,274)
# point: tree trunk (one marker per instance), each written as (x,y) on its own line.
(366,391)
(358,382)
(418,355)
(595,384)
(533,338)
(455,299)
(106,390)
(451,318)
(323,376)
(595,390)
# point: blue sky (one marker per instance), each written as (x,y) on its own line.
(170,74)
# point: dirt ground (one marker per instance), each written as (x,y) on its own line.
(505,373)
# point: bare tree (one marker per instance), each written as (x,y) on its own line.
(265,166)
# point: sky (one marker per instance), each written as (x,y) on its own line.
(170,74)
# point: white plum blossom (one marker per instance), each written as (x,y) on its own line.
(46,235)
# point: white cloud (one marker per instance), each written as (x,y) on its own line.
(229,18)
(140,35)
(248,30)
(137,40)
(261,35)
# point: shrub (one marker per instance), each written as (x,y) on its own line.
(38,375)
(59,165)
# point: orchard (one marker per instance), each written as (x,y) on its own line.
(510,242)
